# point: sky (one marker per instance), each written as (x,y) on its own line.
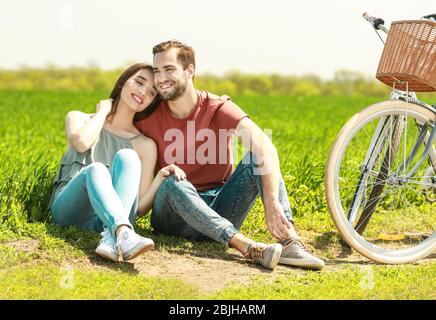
(254,36)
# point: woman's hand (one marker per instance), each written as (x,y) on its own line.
(104,106)
(172,169)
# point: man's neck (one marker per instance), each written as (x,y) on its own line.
(184,105)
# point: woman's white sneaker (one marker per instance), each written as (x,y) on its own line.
(107,248)
(132,245)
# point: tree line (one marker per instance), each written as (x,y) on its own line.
(344,82)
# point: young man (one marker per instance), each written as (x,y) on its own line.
(195,130)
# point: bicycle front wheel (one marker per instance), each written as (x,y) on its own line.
(379,208)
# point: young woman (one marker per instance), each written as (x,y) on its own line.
(106,177)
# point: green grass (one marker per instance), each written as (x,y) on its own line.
(33,251)
(32,142)
(65,282)
(364,282)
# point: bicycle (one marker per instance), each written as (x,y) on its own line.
(380,176)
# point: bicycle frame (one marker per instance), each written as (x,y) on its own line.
(424,136)
(377,142)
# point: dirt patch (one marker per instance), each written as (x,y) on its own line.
(205,273)
(31,245)
(209,273)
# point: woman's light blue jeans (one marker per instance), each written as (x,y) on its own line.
(96,198)
(216,214)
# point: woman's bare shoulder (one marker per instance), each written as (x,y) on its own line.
(144,145)
(145,142)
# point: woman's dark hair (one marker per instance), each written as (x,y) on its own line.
(116,91)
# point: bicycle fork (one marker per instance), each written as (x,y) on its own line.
(371,157)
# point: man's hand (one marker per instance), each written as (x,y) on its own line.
(279,227)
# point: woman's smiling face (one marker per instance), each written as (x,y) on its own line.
(139,91)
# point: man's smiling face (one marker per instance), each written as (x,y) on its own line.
(170,78)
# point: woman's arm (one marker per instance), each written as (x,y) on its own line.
(148,186)
(82,132)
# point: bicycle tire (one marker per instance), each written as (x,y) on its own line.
(347,231)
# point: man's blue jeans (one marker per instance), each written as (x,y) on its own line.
(95,197)
(216,214)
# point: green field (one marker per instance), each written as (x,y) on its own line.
(35,256)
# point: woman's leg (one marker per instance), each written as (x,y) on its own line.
(89,198)
(126,175)
(73,208)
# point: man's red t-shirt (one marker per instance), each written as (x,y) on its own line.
(201,143)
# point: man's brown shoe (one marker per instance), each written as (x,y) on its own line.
(265,255)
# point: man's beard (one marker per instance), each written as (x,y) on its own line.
(179,89)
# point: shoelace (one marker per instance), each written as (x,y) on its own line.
(103,233)
(255,251)
(296,242)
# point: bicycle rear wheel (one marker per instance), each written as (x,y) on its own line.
(367,168)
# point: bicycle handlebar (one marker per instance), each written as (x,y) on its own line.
(431,17)
(377,23)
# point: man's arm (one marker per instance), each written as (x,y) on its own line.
(256,141)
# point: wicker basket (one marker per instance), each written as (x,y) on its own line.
(409,56)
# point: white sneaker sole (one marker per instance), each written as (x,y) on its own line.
(107,255)
(275,258)
(138,249)
(303,263)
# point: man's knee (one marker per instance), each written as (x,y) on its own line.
(249,159)
(257,166)
(249,163)
(171,185)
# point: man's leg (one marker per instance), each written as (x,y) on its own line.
(237,197)
(179,210)
(176,199)
(239,193)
